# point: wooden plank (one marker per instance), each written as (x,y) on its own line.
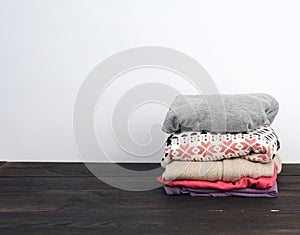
(14,169)
(70,197)
(38,198)
(141,221)
(290,169)
(285,183)
(113,200)
(68,169)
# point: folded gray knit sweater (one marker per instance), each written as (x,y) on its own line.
(220,113)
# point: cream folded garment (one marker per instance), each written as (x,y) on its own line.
(228,170)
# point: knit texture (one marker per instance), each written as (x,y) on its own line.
(220,113)
(229,170)
(259,145)
(245,182)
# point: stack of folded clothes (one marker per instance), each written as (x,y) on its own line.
(237,155)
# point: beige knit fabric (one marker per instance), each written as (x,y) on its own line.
(228,170)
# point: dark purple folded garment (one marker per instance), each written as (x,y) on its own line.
(245,192)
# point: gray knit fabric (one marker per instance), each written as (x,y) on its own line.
(220,113)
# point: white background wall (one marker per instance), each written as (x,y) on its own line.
(47,48)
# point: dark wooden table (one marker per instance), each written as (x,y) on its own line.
(59,198)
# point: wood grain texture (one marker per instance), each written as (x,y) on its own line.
(65,198)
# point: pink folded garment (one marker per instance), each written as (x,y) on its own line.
(245,182)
